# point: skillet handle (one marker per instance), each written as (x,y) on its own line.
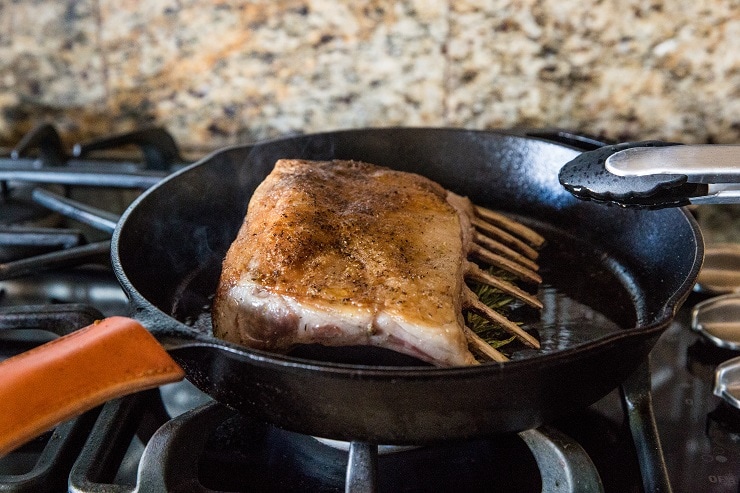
(638,402)
(49,384)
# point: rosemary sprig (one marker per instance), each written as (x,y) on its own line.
(496,300)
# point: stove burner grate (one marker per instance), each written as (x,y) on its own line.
(135,443)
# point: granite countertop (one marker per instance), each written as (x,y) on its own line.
(217,73)
(220,73)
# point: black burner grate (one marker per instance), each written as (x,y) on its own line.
(209,447)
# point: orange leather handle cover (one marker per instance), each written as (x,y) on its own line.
(75,373)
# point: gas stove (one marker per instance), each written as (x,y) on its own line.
(661,429)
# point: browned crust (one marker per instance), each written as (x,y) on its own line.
(319,230)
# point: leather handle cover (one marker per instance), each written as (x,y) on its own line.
(49,384)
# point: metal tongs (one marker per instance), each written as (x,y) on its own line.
(655,174)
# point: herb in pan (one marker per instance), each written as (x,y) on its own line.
(498,301)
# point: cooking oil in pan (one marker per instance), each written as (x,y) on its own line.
(584,297)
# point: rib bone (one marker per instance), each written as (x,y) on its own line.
(501,249)
(502,262)
(471,302)
(532,237)
(482,347)
(477,274)
(502,236)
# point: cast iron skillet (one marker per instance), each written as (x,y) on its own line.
(614,279)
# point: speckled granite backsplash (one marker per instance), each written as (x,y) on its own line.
(218,73)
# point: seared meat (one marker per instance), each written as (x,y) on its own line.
(347,253)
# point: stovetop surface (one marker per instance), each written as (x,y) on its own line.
(700,434)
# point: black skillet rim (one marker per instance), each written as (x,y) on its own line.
(181,335)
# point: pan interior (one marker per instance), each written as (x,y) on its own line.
(585,292)
(605,268)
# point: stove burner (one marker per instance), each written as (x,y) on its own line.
(18,208)
(39,158)
(26,227)
(18,243)
(212,448)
